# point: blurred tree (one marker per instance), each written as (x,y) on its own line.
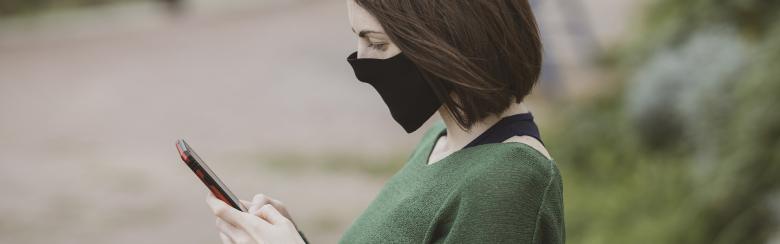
(687,148)
(16,7)
(174,7)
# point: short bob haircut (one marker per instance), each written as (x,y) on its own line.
(479,56)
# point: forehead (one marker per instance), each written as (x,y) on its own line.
(360,19)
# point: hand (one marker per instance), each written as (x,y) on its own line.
(260,200)
(263,225)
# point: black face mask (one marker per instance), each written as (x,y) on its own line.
(401,85)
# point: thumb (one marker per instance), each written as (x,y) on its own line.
(229,214)
(270,214)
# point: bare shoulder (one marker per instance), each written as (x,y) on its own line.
(531,142)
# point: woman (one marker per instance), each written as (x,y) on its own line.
(481,176)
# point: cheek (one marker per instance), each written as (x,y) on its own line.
(362,48)
(368,52)
(392,50)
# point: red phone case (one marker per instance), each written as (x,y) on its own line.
(199,167)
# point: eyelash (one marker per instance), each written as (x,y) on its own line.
(377,46)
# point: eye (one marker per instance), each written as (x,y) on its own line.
(377,45)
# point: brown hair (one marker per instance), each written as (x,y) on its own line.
(484,52)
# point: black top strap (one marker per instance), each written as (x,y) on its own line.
(507,127)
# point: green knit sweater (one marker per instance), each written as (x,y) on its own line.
(491,193)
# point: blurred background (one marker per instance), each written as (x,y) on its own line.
(661,114)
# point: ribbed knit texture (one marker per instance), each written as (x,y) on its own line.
(491,193)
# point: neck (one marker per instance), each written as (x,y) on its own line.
(458,138)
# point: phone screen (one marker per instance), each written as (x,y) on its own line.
(199,167)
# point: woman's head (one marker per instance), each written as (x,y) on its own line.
(479,56)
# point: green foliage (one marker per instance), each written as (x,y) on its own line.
(712,67)
(14,7)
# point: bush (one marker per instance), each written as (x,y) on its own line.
(686,149)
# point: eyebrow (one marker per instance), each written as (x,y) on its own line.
(363,33)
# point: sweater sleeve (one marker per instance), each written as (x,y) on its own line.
(508,206)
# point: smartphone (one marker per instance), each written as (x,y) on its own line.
(207,176)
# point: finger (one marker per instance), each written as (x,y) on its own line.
(277,204)
(233,233)
(261,199)
(231,215)
(258,201)
(255,209)
(245,203)
(269,213)
(225,239)
(227,229)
